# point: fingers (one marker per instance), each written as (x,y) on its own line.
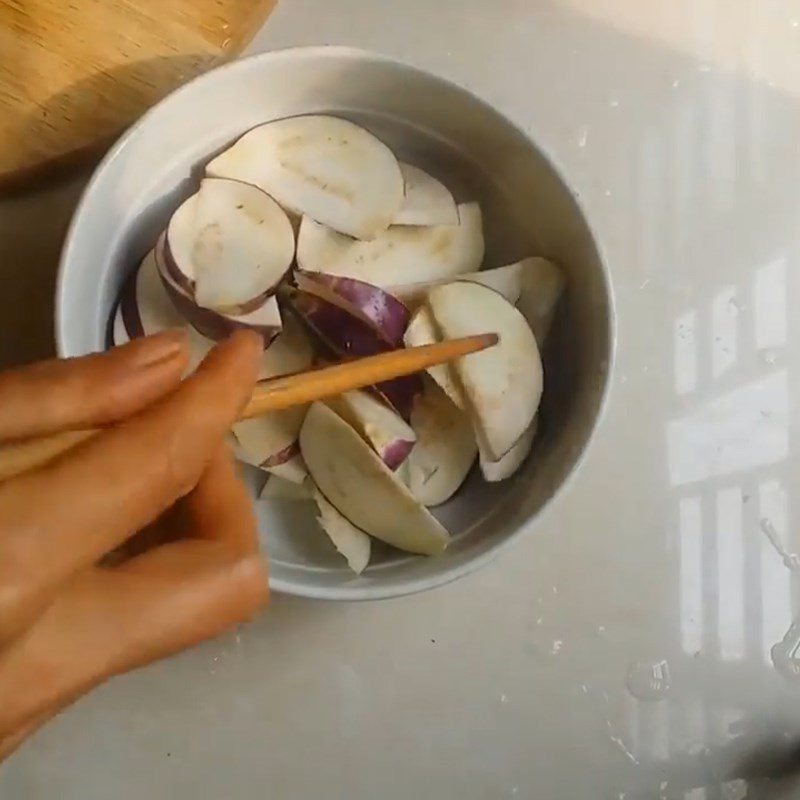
(111,620)
(91,391)
(219,507)
(13,740)
(66,515)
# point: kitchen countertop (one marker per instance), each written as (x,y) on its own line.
(641,641)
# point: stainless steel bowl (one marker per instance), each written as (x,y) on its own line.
(528,209)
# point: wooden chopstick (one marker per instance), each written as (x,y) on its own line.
(276,394)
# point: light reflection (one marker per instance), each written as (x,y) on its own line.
(691,579)
(720,141)
(724,319)
(745,428)
(769,301)
(730,573)
(685,348)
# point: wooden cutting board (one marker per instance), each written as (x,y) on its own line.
(75,73)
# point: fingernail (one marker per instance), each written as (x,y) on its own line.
(160,347)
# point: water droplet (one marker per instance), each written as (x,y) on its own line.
(583,136)
(675,84)
(613,103)
(503,698)
(556,647)
(648,680)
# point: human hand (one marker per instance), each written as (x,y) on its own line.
(157,481)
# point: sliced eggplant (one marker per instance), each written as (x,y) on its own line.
(350,541)
(271,439)
(542,286)
(377,424)
(328,168)
(293,470)
(362,488)
(426,201)
(375,306)
(146,309)
(502,385)
(506,280)
(421,331)
(345,336)
(506,466)
(265,320)
(229,246)
(445,448)
(400,255)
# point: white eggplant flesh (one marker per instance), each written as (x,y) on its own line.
(506,280)
(422,331)
(362,488)
(445,449)
(325,167)
(229,246)
(543,284)
(400,255)
(426,201)
(502,385)
(350,541)
(389,435)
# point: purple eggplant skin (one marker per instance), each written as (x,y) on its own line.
(212,324)
(387,316)
(282,456)
(171,272)
(346,336)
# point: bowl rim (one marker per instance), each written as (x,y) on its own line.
(445,575)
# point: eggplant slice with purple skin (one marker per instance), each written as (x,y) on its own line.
(387,316)
(346,336)
(380,426)
(229,246)
(362,488)
(265,320)
(271,439)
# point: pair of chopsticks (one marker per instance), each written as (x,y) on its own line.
(276,394)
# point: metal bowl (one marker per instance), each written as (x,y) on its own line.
(528,209)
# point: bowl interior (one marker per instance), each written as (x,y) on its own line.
(528,210)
